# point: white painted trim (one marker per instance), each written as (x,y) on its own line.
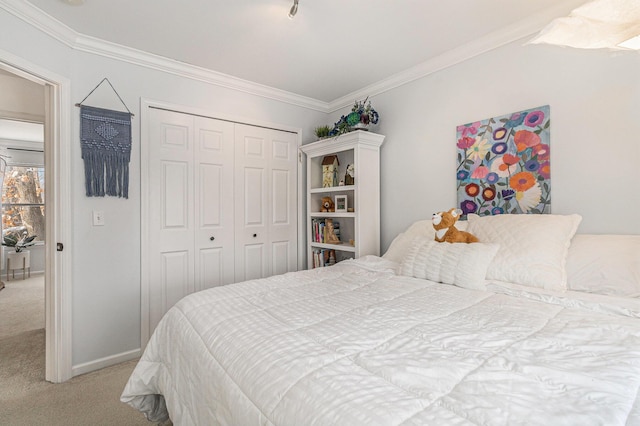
(145,332)
(59,31)
(145,104)
(58,277)
(509,34)
(302,205)
(97,364)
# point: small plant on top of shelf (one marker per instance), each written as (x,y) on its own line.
(322,132)
(361,116)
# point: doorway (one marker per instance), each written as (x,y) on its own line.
(57,264)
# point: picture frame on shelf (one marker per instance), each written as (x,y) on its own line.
(341,204)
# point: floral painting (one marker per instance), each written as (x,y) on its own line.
(503,164)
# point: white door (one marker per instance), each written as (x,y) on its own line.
(191,206)
(171,221)
(266,202)
(213,203)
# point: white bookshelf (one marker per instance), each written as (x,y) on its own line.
(362,225)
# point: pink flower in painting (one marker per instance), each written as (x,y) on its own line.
(534,118)
(469,129)
(465,142)
(542,151)
(480,172)
(525,139)
(545,170)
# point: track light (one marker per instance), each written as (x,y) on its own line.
(294,9)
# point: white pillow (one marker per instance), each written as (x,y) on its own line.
(533,247)
(403,241)
(605,264)
(464,265)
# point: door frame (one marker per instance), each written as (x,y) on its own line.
(145,105)
(58,265)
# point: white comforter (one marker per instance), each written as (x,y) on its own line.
(355,344)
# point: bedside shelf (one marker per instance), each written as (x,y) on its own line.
(362,149)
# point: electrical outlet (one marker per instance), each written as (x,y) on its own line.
(98,218)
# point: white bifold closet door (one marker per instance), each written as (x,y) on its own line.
(222,205)
(266,203)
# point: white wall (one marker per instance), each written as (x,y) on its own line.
(595,132)
(595,105)
(106,272)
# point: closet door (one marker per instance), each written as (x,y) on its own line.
(191,233)
(171,219)
(213,166)
(266,202)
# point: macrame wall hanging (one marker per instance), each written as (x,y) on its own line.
(105,137)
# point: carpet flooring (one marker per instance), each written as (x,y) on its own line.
(21,305)
(26,399)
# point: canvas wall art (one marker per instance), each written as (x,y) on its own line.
(504,164)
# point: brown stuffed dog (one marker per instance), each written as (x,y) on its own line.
(444,224)
(327,205)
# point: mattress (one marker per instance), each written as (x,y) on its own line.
(357,344)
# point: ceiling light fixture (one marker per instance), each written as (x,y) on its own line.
(632,43)
(294,9)
(598,24)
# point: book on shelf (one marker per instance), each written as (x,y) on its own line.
(319,230)
(323,257)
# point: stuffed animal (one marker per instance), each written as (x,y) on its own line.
(327,205)
(444,224)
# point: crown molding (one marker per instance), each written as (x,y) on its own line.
(494,40)
(40,20)
(59,31)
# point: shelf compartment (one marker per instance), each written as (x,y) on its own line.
(342,247)
(333,189)
(332,215)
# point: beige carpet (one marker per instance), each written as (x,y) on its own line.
(27,399)
(21,305)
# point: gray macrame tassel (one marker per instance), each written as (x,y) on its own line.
(105,137)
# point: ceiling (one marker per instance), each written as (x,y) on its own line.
(330,49)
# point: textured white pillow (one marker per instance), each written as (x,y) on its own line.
(533,247)
(605,264)
(403,241)
(464,265)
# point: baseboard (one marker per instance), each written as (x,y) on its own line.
(98,364)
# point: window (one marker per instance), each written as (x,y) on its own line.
(23,201)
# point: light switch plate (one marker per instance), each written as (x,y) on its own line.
(98,218)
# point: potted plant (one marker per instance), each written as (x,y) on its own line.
(322,132)
(18,240)
(361,116)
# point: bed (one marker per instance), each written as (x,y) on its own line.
(534,325)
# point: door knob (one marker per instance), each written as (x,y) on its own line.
(255,235)
(212,238)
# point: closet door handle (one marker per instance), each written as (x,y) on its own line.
(212,238)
